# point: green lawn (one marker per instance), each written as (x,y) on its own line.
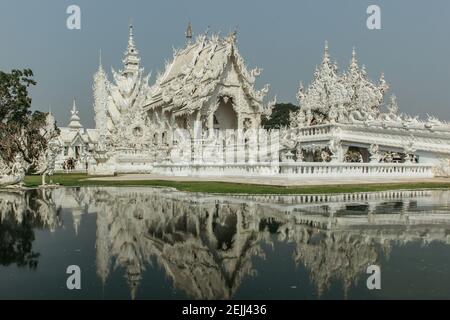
(238,188)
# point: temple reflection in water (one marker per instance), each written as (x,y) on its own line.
(206,245)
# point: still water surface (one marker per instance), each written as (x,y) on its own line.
(150,243)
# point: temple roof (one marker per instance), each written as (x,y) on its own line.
(195,71)
(68,136)
(75,130)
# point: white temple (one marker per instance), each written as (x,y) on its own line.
(76,141)
(203,115)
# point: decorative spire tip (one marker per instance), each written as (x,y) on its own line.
(189,31)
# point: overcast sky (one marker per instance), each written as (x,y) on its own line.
(285,38)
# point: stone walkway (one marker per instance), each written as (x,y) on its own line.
(275,181)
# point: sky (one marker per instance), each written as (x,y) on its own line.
(285,38)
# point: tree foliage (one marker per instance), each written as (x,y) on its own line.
(15,102)
(23,133)
(280,116)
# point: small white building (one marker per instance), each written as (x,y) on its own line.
(77,143)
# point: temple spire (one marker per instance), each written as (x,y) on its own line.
(131,36)
(75,119)
(354,62)
(50,119)
(74,107)
(100,70)
(131,60)
(326,54)
(189,31)
(100,64)
(327,65)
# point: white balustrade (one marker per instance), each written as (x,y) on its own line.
(296,170)
(354,170)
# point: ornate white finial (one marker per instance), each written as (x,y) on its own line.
(326,55)
(301,92)
(354,61)
(189,31)
(392,105)
(384,86)
(363,70)
(236,29)
(75,119)
(100,62)
(74,106)
(50,119)
(100,71)
(131,61)
(131,35)
(301,87)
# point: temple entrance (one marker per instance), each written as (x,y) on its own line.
(77,152)
(225,117)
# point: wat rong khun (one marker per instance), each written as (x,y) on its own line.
(203,118)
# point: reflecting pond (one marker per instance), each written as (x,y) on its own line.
(153,243)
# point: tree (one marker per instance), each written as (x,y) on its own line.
(280,116)
(24,135)
(15,103)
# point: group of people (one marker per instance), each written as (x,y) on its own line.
(69,164)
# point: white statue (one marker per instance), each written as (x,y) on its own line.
(374,153)
(325,155)
(335,148)
(45,165)
(14,174)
